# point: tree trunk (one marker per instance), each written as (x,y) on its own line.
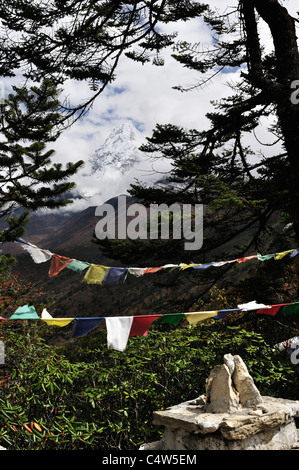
(283,31)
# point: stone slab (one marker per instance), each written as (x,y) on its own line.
(241,424)
(284,438)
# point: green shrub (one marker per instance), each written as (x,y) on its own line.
(86,396)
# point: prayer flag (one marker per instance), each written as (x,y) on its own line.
(136,271)
(195,317)
(222,263)
(187,266)
(58,263)
(118,330)
(114,276)
(223,313)
(288,309)
(27,312)
(58,321)
(141,324)
(282,254)
(85,325)
(252,306)
(95,274)
(246,258)
(45,316)
(152,270)
(203,266)
(171,318)
(272,311)
(265,257)
(78,266)
(294,253)
(37,254)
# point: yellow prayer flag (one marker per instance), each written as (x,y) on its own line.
(186,266)
(282,254)
(95,274)
(195,317)
(58,321)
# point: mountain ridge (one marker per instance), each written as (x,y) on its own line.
(120,150)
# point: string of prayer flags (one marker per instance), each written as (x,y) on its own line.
(120,329)
(107,276)
(85,325)
(27,312)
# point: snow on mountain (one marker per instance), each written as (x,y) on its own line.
(120,150)
(113,167)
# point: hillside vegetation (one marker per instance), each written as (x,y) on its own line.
(82,395)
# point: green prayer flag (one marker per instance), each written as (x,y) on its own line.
(288,309)
(27,312)
(172,318)
(265,257)
(78,266)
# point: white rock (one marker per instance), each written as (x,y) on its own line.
(249,395)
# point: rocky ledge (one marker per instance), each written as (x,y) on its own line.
(231,416)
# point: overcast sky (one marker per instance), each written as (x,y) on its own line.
(143,95)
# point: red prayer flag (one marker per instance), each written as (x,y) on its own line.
(273,310)
(152,270)
(58,263)
(242,260)
(141,324)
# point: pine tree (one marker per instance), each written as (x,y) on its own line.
(30,119)
(85,41)
(247,196)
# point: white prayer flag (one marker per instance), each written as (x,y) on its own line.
(118,330)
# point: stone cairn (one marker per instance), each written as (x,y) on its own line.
(229,387)
(232,415)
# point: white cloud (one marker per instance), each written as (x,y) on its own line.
(144,96)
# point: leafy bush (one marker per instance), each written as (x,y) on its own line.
(86,396)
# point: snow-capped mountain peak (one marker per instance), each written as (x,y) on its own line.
(120,150)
